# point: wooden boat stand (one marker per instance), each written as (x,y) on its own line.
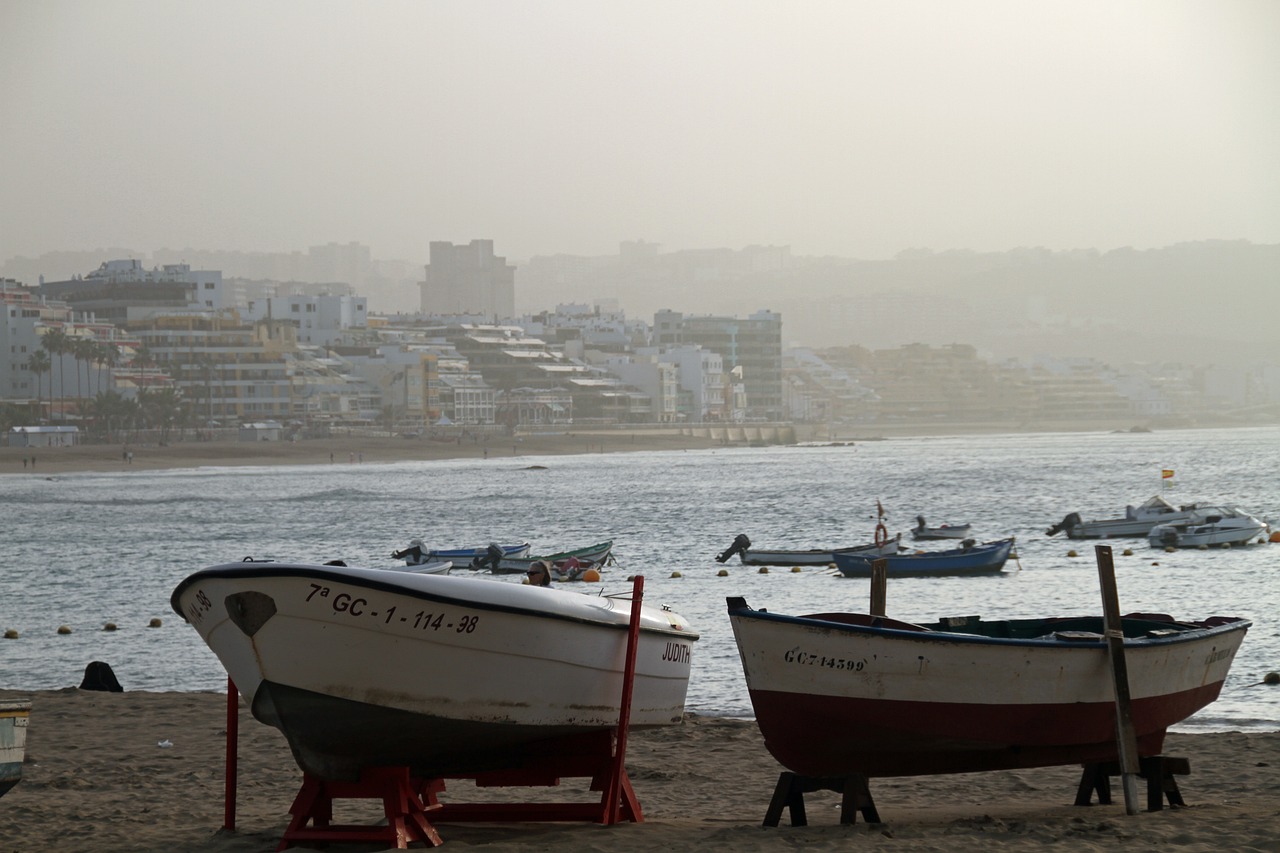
(1158,770)
(408,801)
(791,788)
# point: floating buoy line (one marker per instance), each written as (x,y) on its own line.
(64,630)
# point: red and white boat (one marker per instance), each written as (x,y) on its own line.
(842,693)
(363,667)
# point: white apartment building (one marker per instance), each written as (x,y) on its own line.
(320,320)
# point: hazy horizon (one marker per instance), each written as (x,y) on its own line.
(850,129)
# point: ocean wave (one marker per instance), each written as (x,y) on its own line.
(340,494)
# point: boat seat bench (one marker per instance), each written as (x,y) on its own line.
(1158,770)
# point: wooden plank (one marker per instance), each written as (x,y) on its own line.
(879,586)
(1126,738)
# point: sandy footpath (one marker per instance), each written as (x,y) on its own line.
(97,779)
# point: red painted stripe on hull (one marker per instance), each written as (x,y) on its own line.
(835,736)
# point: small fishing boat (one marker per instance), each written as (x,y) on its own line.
(836,694)
(418,554)
(969,559)
(596,555)
(14,717)
(1137,521)
(811,557)
(446,675)
(945,531)
(1207,527)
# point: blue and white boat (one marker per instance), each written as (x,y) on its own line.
(968,559)
(481,557)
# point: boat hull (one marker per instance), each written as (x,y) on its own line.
(981,559)
(598,553)
(13,742)
(894,702)
(812,557)
(1233,531)
(361,667)
(958,531)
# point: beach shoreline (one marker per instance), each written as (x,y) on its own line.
(349,450)
(138,771)
(355,449)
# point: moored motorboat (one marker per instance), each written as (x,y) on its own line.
(749,556)
(1208,527)
(1137,521)
(969,559)
(923,531)
(479,557)
(14,717)
(363,667)
(836,694)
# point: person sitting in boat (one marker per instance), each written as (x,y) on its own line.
(540,573)
(414,555)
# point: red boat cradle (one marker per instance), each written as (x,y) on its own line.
(408,801)
(406,816)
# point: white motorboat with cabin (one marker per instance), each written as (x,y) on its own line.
(1207,527)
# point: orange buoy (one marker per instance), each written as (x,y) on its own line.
(591,576)
(1275,536)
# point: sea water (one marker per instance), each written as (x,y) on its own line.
(82,550)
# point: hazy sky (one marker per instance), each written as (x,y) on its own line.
(846,128)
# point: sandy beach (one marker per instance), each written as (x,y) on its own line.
(48,461)
(98,779)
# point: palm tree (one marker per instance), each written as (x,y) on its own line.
(55,342)
(164,408)
(84,349)
(106,409)
(39,363)
(142,356)
(108,357)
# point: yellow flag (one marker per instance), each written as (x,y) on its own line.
(1166,473)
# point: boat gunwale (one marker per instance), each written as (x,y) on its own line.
(304,570)
(927,634)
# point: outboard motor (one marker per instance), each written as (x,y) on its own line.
(1066,524)
(414,555)
(740,545)
(492,555)
(920,525)
(968,543)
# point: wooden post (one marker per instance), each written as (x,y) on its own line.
(879,585)
(1126,738)
(233,738)
(614,788)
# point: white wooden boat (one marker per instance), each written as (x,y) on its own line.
(806,557)
(944,531)
(842,693)
(596,555)
(444,674)
(1137,521)
(14,717)
(1207,527)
